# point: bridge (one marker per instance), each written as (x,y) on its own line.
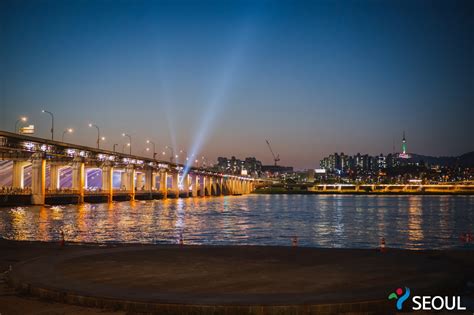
(466,187)
(140,177)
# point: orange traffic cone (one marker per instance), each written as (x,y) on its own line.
(62,242)
(383,249)
(294,241)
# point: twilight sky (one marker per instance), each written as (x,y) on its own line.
(217,78)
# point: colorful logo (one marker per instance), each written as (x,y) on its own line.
(400,297)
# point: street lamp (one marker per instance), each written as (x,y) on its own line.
(52,122)
(23,119)
(154,148)
(130,139)
(123,146)
(98,134)
(204,161)
(185,154)
(171,153)
(68,130)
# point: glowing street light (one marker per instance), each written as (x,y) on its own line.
(130,139)
(98,134)
(123,146)
(52,122)
(22,119)
(68,130)
(154,148)
(171,152)
(185,154)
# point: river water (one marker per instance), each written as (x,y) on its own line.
(338,221)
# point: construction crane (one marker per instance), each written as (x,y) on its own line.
(275,158)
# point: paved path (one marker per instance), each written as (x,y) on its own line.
(232,279)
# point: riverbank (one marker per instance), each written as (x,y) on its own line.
(225,279)
(282,191)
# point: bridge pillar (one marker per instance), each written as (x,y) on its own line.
(174,183)
(153,180)
(237,187)
(107,180)
(219,181)
(213,190)
(194,185)
(130,180)
(18,173)
(202,186)
(149,179)
(163,183)
(54,176)
(208,185)
(231,186)
(140,181)
(186,184)
(38,179)
(224,189)
(78,177)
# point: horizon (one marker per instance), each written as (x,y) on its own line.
(218,78)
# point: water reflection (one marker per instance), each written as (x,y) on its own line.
(413,222)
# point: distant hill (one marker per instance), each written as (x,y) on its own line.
(465,160)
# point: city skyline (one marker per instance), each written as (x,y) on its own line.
(217,79)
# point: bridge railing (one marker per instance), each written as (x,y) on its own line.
(8,190)
(62,191)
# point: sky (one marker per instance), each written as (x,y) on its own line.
(217,78)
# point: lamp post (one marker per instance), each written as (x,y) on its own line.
(185,154)
(68,130)
(154,148)
(171,153)
(98,134)
(130,139)
(23,119)
(52,122)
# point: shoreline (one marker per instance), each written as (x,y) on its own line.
(368,193)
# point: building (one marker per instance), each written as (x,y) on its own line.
(250,166)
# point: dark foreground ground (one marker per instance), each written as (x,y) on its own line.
(228,280)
